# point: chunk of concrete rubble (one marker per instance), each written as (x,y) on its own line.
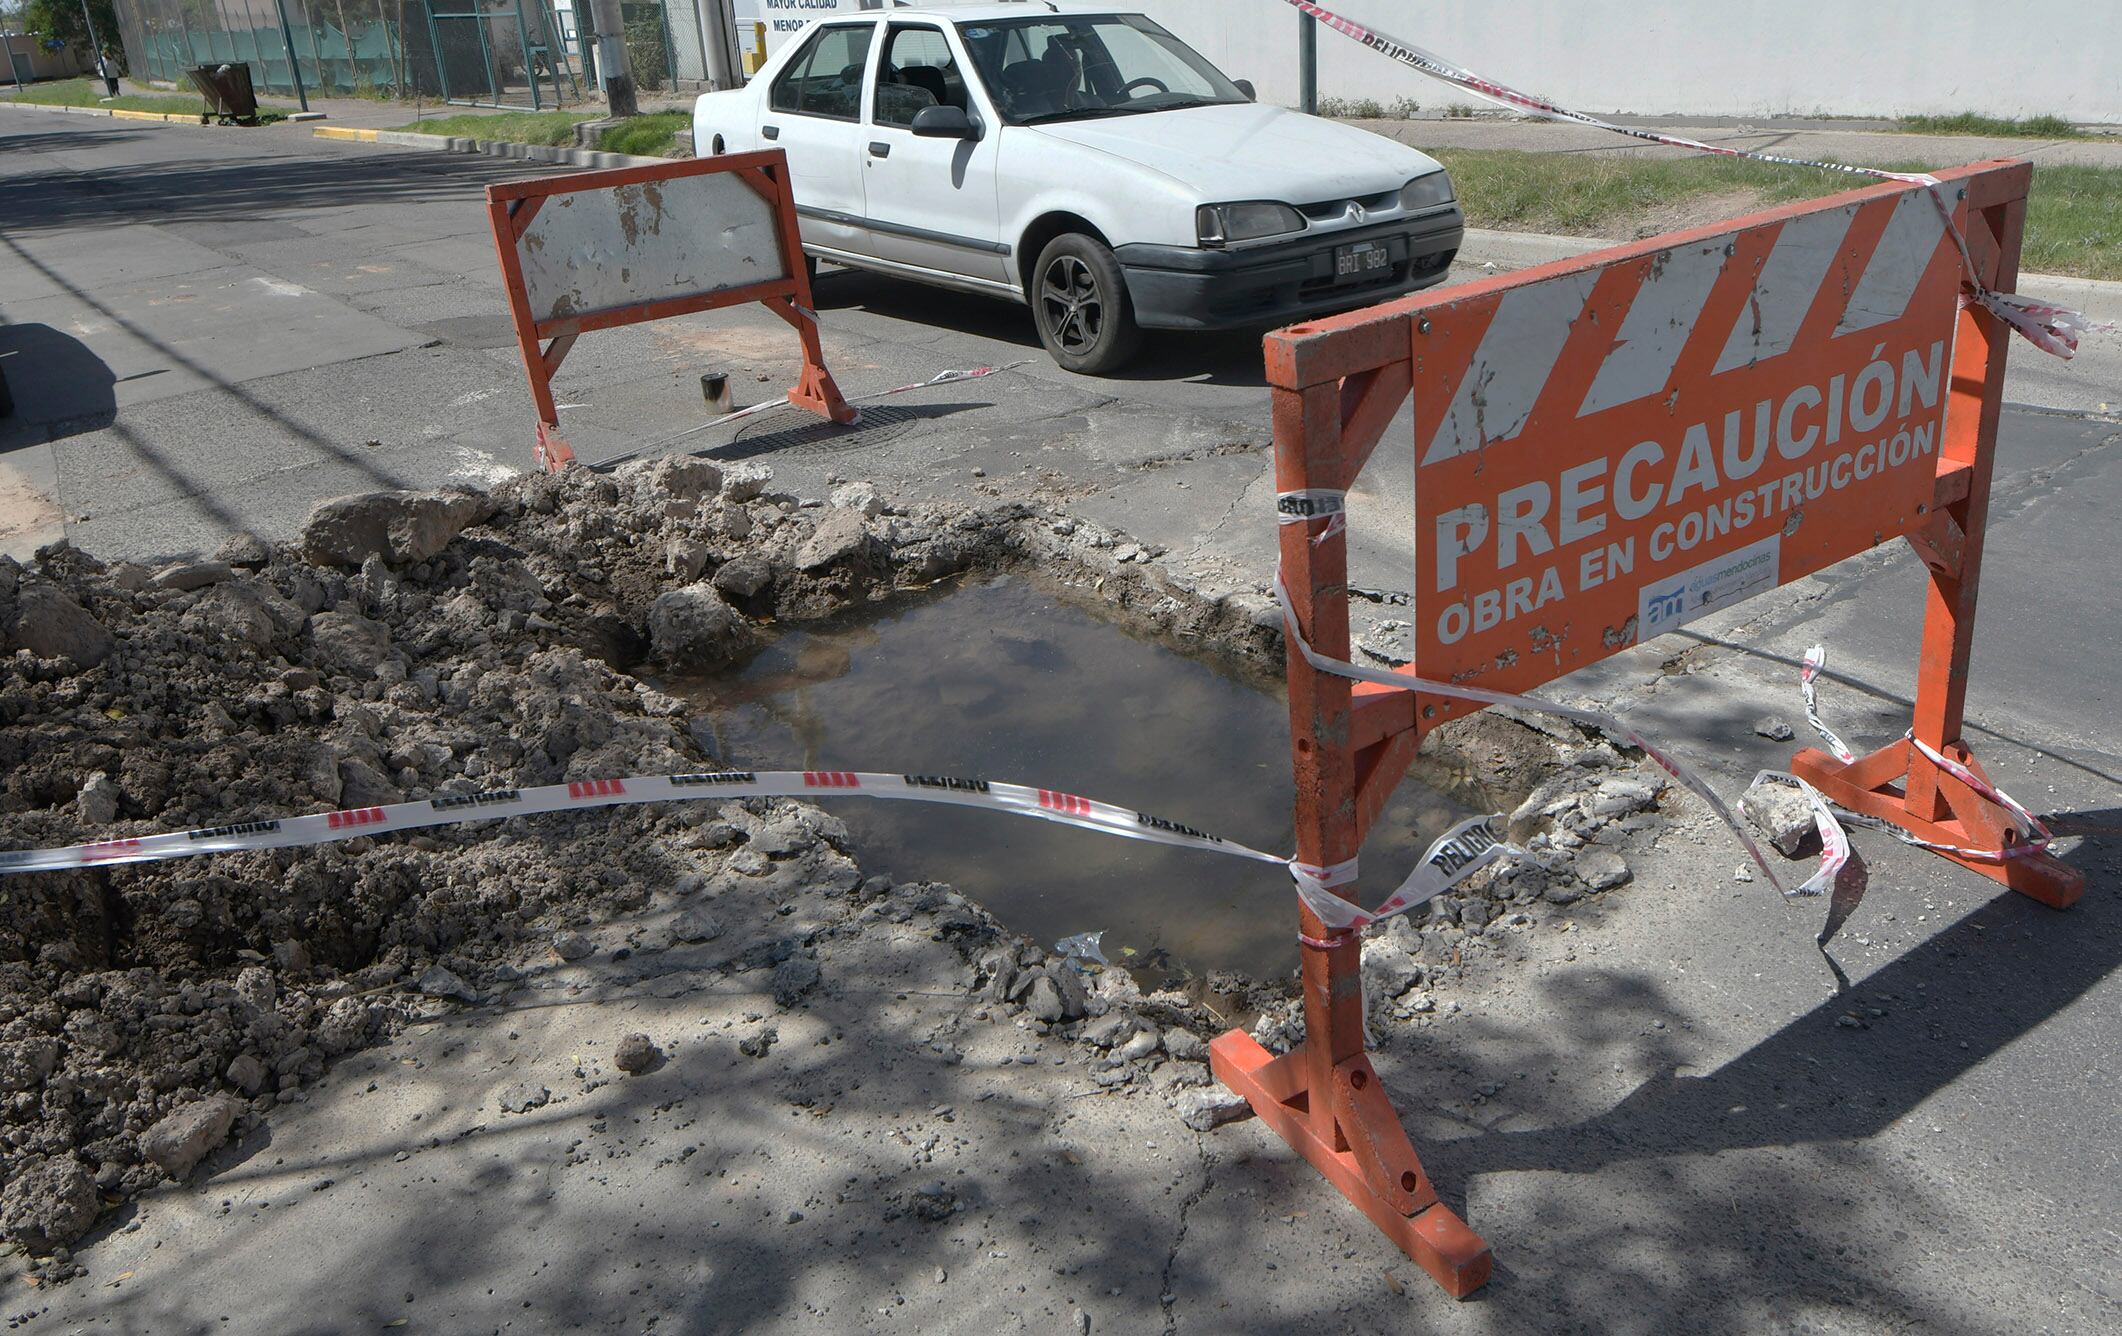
(744,481)
(349,643)
(743,577)
(695,925)
(687,479)
(1774,729)
(696,628)
(1622,795)
(860,497)
(363,785)
(1043,998)
(49,1205)
(400,527)
(52,626)
(397,526)
(1205,1108)
(189,575)
(243,549)
(636,1053)
(345,1026)
(524,1096)
(1781,813)
(841,536)
(247,1073)
(572,946)
(1602,870)
(98,800)
(439,982)
(1108,1030)
(793,978)
(176,1144)
(1388,970)
(1185,1045)
(756,1045)
(1145,1042)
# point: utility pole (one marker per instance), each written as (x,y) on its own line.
(613,67)
(287,39)
(7,45)
(1307,64)
(718,38)
(95,46)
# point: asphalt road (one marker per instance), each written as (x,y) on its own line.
(228,328)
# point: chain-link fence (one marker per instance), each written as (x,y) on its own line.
(496,53)
(342,47)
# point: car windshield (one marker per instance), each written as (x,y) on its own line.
(1067,67)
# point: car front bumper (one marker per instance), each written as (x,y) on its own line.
(1185,287)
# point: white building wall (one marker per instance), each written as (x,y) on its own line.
(1672,57)
(1665,57)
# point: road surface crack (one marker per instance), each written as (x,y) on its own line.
(1165,1295)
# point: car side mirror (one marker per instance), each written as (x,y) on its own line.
(1245,86)
(944,123)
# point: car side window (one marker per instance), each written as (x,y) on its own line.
(825,78)
(917,72)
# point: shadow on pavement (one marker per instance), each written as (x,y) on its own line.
(60,388)
(1223,357)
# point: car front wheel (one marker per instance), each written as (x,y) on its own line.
(1079,301)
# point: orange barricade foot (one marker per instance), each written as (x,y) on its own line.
(1877,785)
(1374,1166)
(553,453)
(817,392)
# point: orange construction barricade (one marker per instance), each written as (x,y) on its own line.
(592,250)
(1606,448)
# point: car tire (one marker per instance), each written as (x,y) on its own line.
(1080,304)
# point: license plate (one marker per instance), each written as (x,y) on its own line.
(1361,259)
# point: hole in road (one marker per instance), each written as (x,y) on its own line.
(1007,679)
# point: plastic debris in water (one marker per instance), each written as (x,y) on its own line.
(1083,946)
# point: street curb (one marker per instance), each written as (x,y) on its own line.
(2097,298)
(39,106)
(552,155)
(168,117)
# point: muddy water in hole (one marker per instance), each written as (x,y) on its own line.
(1003,681)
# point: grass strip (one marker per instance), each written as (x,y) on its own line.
(1994,127)
(549,128)
(2073,214)
(661,134)
(89,93)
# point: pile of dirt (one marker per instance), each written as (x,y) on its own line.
(416,645)
(411,645)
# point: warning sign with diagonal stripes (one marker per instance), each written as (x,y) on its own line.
(1610,447)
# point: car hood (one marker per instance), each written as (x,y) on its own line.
(1246,151)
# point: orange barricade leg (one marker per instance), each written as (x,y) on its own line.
(1899,783)
(815,390)
(1324,1098)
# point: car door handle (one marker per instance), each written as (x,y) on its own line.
(879,149)
(770,131)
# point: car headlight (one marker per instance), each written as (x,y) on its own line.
(1426,192)
(1221,224)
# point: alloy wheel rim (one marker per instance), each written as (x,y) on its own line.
(1073,306)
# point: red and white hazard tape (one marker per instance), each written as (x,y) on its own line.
(1605,722)
(1456,855)
(2053,329)
(1815,660)
(2037,834)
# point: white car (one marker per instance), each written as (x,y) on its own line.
(1087,163)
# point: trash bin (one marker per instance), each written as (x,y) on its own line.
(228,93)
